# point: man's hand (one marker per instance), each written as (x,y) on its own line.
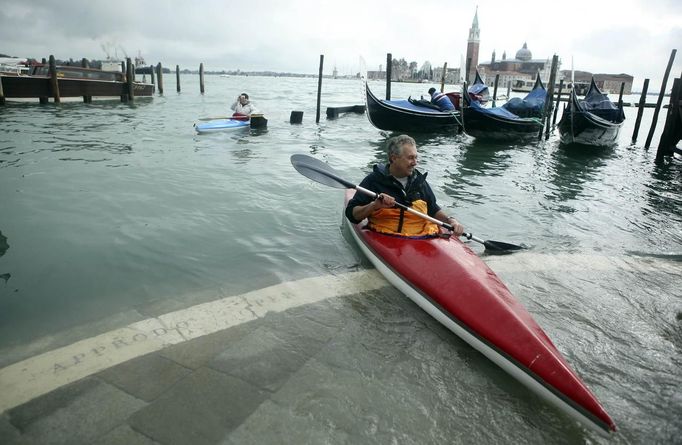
(457,228)
(384,201)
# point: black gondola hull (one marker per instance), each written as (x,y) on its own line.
(498,128)
(503,124)
(586,129)
(597,126)
(386,116)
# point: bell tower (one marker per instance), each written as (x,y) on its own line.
(472,49)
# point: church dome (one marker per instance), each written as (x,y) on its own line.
(524,53)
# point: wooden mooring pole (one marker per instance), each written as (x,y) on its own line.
(442,78)
(159,74)
(640,110)
(54,82)
(84,63)
(389,73)
(497,79)
(558,100)
(620,96)
(319,89)
(550,98)
(201,78)
(177,78)
(152,69)
(660,100)
(43,99)
(130,79)
(2,92)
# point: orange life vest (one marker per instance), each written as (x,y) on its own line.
(389,221)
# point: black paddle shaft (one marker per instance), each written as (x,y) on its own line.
(323,173)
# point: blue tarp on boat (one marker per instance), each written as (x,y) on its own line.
(496,111)
(530,106)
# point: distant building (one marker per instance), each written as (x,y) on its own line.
(607,83)
(452,75)
(472,49)
(376,75)
(521,69)
(610,83)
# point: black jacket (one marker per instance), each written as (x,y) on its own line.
(380,181)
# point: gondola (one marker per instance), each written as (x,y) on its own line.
(594,121)
(411,115)
(516,119)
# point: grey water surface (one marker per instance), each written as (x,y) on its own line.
(106,208)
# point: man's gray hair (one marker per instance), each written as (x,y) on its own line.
(396,143)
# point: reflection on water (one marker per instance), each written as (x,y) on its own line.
(573,169)
(3,244)
(480,158)
(661,196)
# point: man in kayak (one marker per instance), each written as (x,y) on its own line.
(441,100)
(242,107)
(399,181)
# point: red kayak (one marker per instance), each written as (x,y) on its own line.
(450,282)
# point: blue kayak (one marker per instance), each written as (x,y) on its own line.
(220,125)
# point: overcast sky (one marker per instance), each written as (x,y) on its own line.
(616,36)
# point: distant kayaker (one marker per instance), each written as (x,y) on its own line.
(441,100)
(399,181)
(242,106)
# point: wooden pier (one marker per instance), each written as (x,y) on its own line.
(57,82)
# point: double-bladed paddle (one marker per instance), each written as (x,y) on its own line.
(321,172)
(214,118)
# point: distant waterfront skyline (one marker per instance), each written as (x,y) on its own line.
(635,37)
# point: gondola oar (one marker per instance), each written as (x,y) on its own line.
(321,172)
